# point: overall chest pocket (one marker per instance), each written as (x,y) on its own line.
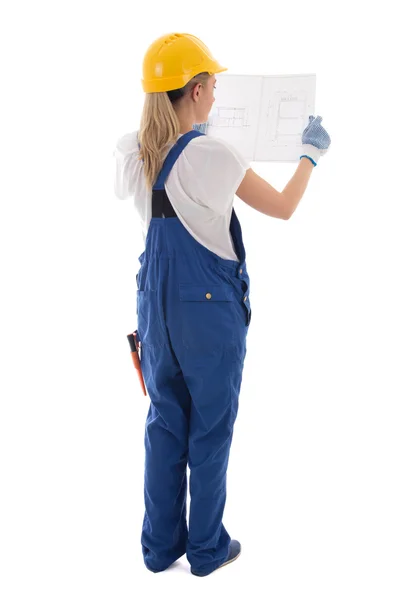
(207,315)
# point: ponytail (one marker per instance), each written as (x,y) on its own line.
(159,127)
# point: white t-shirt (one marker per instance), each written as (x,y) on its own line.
(201,188)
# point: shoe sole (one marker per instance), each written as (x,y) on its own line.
(228,562)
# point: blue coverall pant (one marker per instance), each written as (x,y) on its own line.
(193,314)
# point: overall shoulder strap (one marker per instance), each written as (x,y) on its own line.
(172,156)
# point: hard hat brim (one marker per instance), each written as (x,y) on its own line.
(175,83)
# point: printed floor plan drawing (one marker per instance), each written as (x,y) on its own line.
(262,116)
(226,116)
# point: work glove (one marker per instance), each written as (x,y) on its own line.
(315,140)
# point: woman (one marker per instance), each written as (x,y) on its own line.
(193,298)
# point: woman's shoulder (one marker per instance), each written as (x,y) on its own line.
(216,150)
(215,144)
(206,141)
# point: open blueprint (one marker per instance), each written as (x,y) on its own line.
(262,116)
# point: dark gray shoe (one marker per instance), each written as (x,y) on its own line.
(234,552)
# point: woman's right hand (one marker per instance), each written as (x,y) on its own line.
(315,139)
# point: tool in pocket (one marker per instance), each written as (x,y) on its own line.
(135,347)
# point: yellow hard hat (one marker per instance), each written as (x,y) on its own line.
(173,59)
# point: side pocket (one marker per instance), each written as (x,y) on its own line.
(245,284)
(141,260)
(241,286)
(149,326)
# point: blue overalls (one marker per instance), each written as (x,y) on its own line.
(193,314)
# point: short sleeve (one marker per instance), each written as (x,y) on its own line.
(125,157)
(211,172)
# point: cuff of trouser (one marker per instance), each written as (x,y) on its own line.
(311,152)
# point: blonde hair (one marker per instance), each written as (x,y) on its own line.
(159,126)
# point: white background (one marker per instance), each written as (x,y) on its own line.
(313,480)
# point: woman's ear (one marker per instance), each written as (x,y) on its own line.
(195,92)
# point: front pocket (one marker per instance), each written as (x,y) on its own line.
(207,315)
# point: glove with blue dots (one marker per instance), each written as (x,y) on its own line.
(315,140)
